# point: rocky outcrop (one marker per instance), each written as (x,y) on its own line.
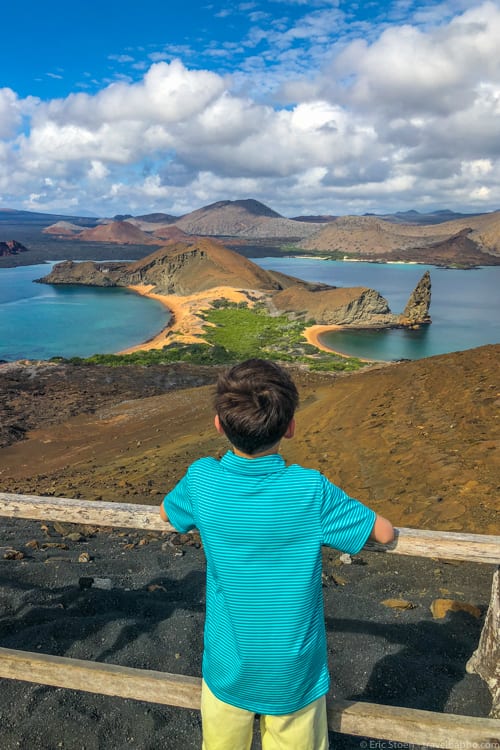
(416,311)
(85,272)
(355,306)
(11,247)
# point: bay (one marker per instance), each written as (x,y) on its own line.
(465,306)
(39,321)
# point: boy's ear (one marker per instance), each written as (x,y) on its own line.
(290,430)
(218,425)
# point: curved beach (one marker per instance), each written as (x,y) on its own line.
(185,325)
(313,333)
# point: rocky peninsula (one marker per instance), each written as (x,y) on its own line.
(189,276)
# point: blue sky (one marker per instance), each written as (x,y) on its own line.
(311,107)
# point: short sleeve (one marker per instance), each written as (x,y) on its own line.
(346,523)
(178,506)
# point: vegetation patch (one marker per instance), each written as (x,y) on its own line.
(235,332)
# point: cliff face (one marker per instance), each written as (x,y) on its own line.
(353,306)
(357,307)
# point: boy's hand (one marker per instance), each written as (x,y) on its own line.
(163,515)
(383,531)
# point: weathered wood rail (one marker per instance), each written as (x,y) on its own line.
(417,542)
(405,725)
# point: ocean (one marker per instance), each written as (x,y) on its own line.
(38,321)
(465,306)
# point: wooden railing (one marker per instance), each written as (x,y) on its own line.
(396,724)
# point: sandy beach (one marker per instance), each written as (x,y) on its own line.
(186,325)
(313,333)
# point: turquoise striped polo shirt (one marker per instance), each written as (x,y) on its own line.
(262,524)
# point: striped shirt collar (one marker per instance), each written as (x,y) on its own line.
(252,466)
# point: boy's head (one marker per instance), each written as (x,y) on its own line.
(255,402)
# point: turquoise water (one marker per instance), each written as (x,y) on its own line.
(39,321)
(465,306)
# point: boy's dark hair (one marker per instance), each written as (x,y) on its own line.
(255,401)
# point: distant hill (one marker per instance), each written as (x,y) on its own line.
(116,231)
(440,237)
(321,219)
(471,241)
(62,229)
(415,217)
(241,218)
(158,218)
(13,216)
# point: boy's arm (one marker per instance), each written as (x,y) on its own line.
(383,531)
(176,507)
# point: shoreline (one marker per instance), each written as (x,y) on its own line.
(185,325)
(312,335)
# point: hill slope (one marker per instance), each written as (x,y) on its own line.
(471,241)
(419,441)
(116,231)
(242,218)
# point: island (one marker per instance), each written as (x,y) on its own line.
(191,277)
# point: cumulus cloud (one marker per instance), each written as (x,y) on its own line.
(10,113)
(405,117)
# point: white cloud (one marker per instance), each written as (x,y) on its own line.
(404,118)
(11,112)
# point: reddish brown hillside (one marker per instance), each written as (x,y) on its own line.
(117,231)
(471,241)
(177,268)
(171,233)
(186,268)
(418,441)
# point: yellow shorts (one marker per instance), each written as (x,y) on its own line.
(226,727)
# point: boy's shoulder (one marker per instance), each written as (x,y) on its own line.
(205,463)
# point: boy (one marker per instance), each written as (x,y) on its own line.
(262,524)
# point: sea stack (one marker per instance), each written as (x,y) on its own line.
(416,312)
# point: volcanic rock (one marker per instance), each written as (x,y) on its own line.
(416,311)
(179,268)
(12,247)
(349,306)
(242,218)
